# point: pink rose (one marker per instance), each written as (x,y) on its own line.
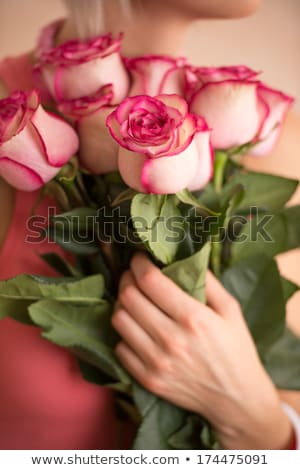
(277,105)
(164,149)
(156,75)
(34,144)
(227,98)
(79,108)
(80,68)
(235,105)
(196,77)
(98,152)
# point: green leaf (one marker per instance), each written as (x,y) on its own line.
(292,217)
(97,376)
(159,224)
(268,234)
(232,199)
(73,242)
(283,362)
(126,195)
(194,434)
(187,197)
(76,231)
(60,264)
(81,218)
(240,150)
(209,198)
(263,190)
(113,177)
(161,421)
(18,293)
(289,288)
(256,283)
(85,330)
(127,409)
(189,273)
(58,193)
(143,399)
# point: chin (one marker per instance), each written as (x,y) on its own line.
(243,8)
(217,8)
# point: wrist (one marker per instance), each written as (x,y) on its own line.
(270,429)
(294,418)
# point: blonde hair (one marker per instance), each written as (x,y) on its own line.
(90,16)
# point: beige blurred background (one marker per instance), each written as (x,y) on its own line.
(268,41)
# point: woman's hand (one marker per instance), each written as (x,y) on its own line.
(199,357)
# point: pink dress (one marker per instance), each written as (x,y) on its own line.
(44,402)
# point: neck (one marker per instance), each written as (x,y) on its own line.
(153,29)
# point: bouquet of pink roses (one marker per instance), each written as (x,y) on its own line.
(147,154)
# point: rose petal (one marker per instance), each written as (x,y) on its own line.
(114,128)
(78,51)
(153,151)
(186,133)
(117,124)
(27,150)
(220,74)
(123,110)
(168,175)
(204,171)
(19,176)
(196,77)
(278,105)
(130,166)
(59,139)
(173,82)
(231,109)
(76,109)
(10,127)
(153,75)
(98,150)
(15,113)
(174,101)
(72,82)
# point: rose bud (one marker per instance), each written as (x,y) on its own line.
(76,109)
(196,77)
(227,99)
(164,148)
(79,68)
(98,152)
(235,105)
(277,105)
(34,144)
(155,75)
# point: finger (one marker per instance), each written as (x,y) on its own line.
(138,340)
(127,279)
(150,318)
(163,292)
(219,299)
(131,361)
